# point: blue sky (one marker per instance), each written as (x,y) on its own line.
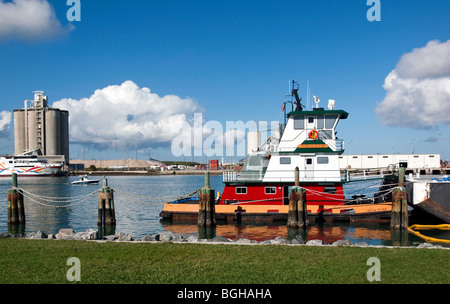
(233,61)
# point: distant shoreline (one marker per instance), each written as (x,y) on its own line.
(145,173)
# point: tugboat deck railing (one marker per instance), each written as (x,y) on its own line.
(316,175)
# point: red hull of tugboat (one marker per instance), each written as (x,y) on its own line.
(278,194)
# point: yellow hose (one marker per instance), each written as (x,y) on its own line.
(429,227)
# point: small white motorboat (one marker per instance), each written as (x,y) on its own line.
(85,180)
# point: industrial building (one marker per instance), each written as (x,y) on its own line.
(425,163)
(42,130)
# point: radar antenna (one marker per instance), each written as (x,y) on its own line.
(294,92)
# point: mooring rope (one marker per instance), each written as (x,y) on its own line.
(55,198)
(79,199)
(76,200)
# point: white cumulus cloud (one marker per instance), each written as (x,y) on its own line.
(127,116)
(29,20)
(418,89)
(5,123)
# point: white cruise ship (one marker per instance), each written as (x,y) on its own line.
(27,165)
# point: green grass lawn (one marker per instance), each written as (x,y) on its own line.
(45,261)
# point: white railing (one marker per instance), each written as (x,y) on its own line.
(230,176)
(242,176)
(364,174)
(339,145)
(305,175)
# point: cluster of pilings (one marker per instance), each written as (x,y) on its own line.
(15,207)
(298,213)
(15,217)
(399,214)
(206,210)
(106,212)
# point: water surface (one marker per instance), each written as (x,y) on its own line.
(52,203)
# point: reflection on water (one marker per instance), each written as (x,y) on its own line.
(370,233)
(139,216)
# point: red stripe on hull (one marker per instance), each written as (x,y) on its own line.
(278,194)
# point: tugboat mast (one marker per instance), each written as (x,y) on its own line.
(293,94)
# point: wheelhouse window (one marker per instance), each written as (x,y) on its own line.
(329,121)
(270,190)
(285,160)
(299,122)
(241,190)
(320,122)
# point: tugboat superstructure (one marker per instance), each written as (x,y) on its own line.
(308,142)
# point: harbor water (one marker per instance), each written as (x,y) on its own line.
(52,203)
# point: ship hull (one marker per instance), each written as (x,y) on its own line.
(35,171)
(431,197)
(188,210)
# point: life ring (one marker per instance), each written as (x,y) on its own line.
(313,134)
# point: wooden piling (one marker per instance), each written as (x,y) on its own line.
(404,224)
(297,214)
(207,212)
(396,209)
(302,210)
(399,214)
(15,204)
(206,208)
(101,207)
(404,211)
(106,211)
(401,176)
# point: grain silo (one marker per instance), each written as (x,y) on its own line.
(41,129)
(253,141)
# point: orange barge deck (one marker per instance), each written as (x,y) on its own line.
(352,213)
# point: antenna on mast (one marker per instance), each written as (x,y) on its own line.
(307,94)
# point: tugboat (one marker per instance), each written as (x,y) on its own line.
(261,189)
